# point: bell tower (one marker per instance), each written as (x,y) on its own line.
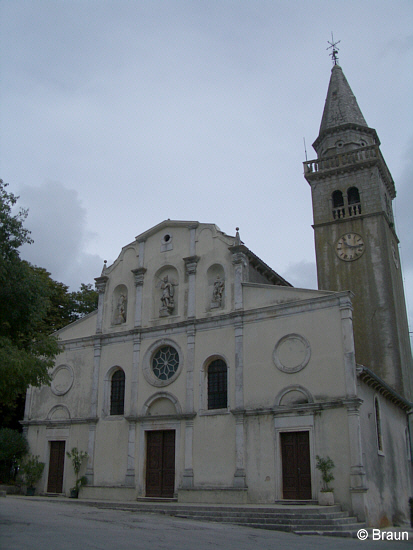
(355,238)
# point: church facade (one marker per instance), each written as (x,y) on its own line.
(205,376)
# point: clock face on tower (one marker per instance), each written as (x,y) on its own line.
(350,247)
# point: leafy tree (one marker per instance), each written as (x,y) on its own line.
(32,307)
(13,446)
(12,232)
(26,353)
(84,301)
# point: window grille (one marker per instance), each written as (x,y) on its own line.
(217,385)
(117,393)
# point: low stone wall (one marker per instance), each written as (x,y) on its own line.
(11,489)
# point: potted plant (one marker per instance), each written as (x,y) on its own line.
(32,471)
(77,457)
(326,495)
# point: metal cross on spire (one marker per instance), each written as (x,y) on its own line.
(334,49)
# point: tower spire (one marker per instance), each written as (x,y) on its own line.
(342,122)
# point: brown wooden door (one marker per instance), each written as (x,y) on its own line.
(295,453)
(56,467)
(160,464)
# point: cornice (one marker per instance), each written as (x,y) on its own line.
(376,383)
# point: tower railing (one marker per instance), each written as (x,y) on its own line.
(342,160)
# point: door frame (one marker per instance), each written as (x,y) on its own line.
(49,447)
(151,426)
(293,424)
(161,449)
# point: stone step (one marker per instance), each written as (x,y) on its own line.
(293,511)
(292,523)
(338,530)
(350,534)
(303,520)
(279,516)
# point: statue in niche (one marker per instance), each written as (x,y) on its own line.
(217,292)
(120,314)
(167,296)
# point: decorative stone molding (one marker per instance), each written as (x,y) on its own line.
(161,395)
(101,284)
(166,242)
(59,413)
(191,264)
(62,379)
(292,353)
(100,287)
(297,389)
(139,275)
(147,365)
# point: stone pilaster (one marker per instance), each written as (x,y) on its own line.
(130,472)
(93,410)
(346,310)
(239,476)
(91,454)
(100,287)
(240,262)
(188,476)
(139,275)
(191,265)
(358,489)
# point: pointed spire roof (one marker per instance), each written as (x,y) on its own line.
(341,105)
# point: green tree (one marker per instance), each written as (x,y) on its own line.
(13,446)
(32,307)
(26,353)
(84,301)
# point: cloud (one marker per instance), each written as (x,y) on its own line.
(57,222)
(301,274)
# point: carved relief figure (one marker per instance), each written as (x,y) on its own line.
(120,315)
(217,292)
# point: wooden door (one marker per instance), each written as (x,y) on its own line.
(295,454)
(56,467)
(160,464)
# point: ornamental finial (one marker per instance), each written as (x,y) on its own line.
(334,49)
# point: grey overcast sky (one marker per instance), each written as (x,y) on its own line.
(118,114)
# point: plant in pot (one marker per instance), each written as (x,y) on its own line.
(77,457)
(326,495)
(32,471)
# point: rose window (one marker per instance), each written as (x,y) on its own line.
(165,362)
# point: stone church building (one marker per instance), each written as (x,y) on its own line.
(205,376)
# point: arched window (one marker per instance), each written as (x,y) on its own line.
(353,199)
(117,393)
(378,425)
(217,385)
(337,199)
(353,195)
(338,204)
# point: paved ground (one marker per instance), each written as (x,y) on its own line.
(63,524)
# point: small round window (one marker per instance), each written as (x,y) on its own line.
(165,362)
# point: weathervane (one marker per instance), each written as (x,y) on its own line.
(333,47)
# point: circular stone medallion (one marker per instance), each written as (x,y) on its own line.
(292,353)
(62,379)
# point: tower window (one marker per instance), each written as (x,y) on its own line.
(217,385)
(338,205)
(353,199)
(117,393)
